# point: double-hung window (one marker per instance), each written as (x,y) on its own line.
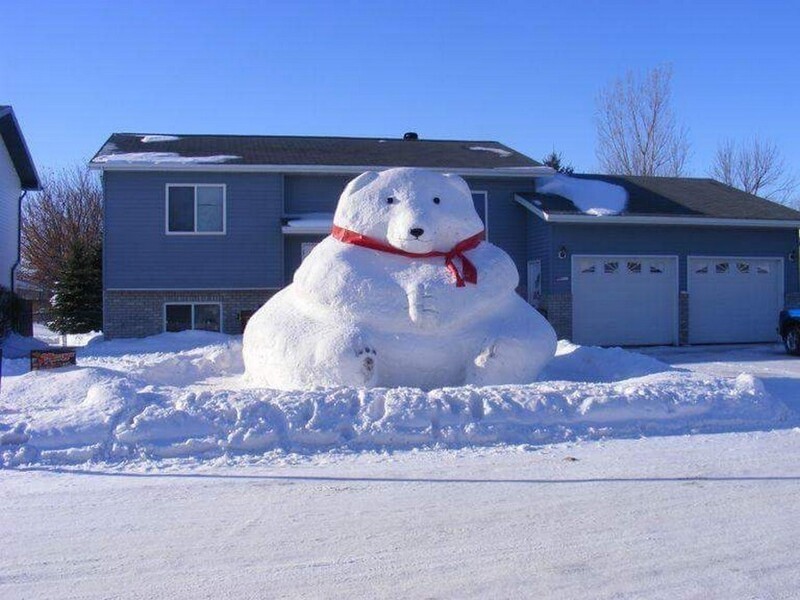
(195,208)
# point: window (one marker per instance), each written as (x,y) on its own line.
(656,268)
(180,317)
(195,209)
(721,267)
(587,266)
(743,267)
(634,266)
(762,269)
(610,266)
(481,202)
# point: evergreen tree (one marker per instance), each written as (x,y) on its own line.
(554,161)
(78,300)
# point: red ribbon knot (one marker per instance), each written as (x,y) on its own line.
(468,274)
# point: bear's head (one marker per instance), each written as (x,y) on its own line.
(413,210)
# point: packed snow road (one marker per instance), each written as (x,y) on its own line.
(712,516)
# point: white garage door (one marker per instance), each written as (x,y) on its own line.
(624,300)
(734,299)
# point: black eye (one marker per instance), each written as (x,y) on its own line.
(436,200)
(389,200)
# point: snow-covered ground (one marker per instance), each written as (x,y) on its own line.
(699,516)
(185,396)
(152,470)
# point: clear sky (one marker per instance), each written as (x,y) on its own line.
(524,73)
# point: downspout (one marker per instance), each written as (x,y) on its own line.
(15,266)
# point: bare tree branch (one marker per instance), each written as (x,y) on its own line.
(637,131)
(756,166)
(69,208)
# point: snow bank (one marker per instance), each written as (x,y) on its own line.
(183,395)
(162,157)
(590,196)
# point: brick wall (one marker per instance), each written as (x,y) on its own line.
(558,310)
(141,313)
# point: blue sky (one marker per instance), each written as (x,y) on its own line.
(524,73)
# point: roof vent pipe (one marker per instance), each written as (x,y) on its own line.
(410,135)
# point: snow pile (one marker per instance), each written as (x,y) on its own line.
(17,346)
(183,395)
(149,139)
(590,196)
(158,158)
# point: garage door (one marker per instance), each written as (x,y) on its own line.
(624,300)
(734,299)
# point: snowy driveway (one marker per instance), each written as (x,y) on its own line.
(779,372)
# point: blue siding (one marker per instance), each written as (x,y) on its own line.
(682,241)
(313,193)
(507,219)
(140,255)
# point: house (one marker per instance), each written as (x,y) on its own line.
(200,230)
(17,176)
(685,261)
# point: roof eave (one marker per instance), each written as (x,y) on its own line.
(532,171)
(655,220)
(19,152)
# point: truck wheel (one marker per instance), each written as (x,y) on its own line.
(792,340)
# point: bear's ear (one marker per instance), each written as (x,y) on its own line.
(457,182)
(359,182)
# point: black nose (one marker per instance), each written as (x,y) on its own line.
(416,232)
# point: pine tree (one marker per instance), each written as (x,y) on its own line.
(78,300)
(555,162)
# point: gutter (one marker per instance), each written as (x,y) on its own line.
(314,169)
(15,266)
(654,220)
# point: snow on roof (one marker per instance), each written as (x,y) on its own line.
(591,197)
(148,139)
(498,151)
(162,157)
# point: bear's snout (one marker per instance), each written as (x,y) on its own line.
(416,232)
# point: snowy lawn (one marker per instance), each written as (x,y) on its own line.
(153,471)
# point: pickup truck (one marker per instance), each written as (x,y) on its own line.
(789,328)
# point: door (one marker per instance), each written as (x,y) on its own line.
(734,299)
(624,300)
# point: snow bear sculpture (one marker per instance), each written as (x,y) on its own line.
(404,292)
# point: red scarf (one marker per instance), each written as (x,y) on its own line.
(469,272)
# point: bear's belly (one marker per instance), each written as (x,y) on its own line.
(422,360)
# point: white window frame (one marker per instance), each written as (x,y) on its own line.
(485,211)
(195,186)
(193,304)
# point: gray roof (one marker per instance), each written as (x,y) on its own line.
(311,151)
(14,142)
(676,197)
